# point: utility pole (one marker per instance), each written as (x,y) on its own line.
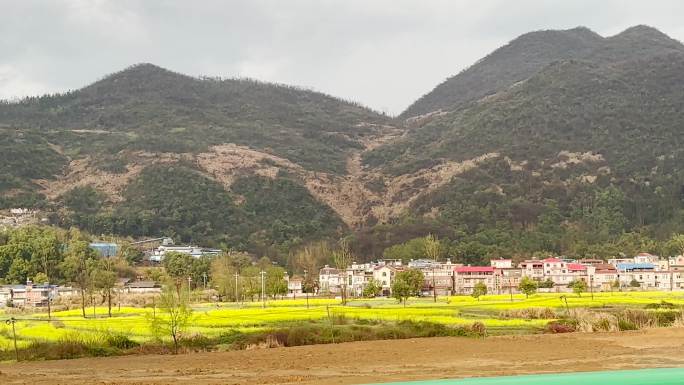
(12,321)
(263,289)
(236,286)
(434,286)
(591,286)
(204,276)
(510,287)
(49,299)
(305,287)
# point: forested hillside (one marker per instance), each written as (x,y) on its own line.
(583,150)
(561,142)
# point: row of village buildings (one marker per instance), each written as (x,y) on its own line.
(502,276)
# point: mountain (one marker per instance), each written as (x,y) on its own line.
(147,151)
(530,53)
(561,141)
(588,146)
(152,109)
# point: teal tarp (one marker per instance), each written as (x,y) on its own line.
(669,376)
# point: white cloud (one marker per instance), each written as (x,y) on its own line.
(15,85)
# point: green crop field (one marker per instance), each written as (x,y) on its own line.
(216,319)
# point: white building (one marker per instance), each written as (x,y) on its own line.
(330,280)
(194,251)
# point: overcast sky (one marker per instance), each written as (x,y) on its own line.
(382,53)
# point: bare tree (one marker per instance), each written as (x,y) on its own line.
(342,258)
(174,315)
(432,251)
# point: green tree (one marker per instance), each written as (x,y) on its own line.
(223,271)
(634,283)
(479,290)
(527,286)
(275,281)
(174,315)
(546,284)
(18,271)
(250,282)
(40,278)
(178,267)
(411,249)
(76,267)
(578,287)
(201,270)
(675,245)
(372,289)
(104,278)
(407,284)
(130,253)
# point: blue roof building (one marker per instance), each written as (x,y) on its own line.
(105,249)
(625,267)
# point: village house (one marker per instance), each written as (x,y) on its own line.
(142,287)
(30,295)
(295,286)
(384,275)
(466,277)
(443,273)
(5,295)
(676,263)
(506,277)
(358,275)
(605,276)
(533,268)
(330,280)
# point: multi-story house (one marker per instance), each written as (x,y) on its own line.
(533,268)
(31,295)
(506,277)
(466,277)
(604,277)
(295,286)
(384,274)
(330,280)
(442,272)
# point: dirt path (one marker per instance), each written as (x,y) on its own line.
(368,362)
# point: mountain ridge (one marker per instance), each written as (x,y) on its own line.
(560,132)
(547,46)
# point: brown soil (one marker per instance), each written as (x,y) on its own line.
(369,362)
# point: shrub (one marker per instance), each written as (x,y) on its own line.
(556,327)
(479,329)
(530,313)
(120,341)
(662,305)
(639,318)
